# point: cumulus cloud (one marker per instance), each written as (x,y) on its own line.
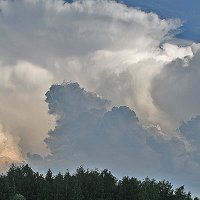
(175,89)
(128,56)
(190,131)
(22,106)
(10,152)
(88,132)
(64,41)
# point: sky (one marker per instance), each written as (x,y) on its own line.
(187,11)
(101,84)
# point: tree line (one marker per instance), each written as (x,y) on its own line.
(22,183)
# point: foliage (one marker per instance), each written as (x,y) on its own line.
(21,183)
(18,197)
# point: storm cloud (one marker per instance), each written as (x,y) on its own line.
(89,132)
(130,58)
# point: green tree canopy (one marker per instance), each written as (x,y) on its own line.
(19,197)
(21,182)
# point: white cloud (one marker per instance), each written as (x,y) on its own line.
(89,42)
(175,89)
(22,106)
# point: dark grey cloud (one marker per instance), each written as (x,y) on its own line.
(34,157)
(70,98)
(89,133)
(191,131)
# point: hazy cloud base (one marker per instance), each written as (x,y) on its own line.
(130,57)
